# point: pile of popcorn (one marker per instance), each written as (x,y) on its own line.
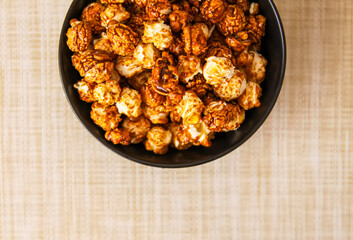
(168,73)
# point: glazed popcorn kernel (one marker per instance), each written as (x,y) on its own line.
(168,73)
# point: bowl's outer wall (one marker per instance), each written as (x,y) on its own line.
(273,48)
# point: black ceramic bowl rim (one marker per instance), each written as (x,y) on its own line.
(196,162)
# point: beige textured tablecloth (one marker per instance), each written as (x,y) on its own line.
(292,180)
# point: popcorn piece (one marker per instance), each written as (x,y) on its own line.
(256,28)
(127,66)
(239,42)
(199,86)
(234,21)
(157,115)
(157,33)
(137,22)
(158,140)
(198,134)
(85,90)
(137,128)
(79,36)
(176,131)
(190,108)
(107,93)
(250,97)
(91,16)
(188,67)
(111,1)
(179,19)
(100,72)
(123,39)
(231,88)
(114,13)
(165,77)
(158,9)
(130,103)
(151,97)
(218,50)
(173,100)
(195,38)
(107,117)
(254,65)
(103,44)
(254,8)
(217,69)
(221,116)
(119,136)
(214,10)
(146,55)
(138,80)
(177,47)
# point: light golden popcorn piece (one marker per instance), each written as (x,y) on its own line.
(217,69)
(140,79)
(198,134)
(84,61)
(146,55)
(130,103)
(103,44)
(137,128)
(250,97)
(105,116)
(107,92)
(254,8)
(195,38)
(158,9)
(85,90)
(114,13)
(254,65)
(189,66)
(233,21)
(128,66)
(177,135)
(157,33)
(158,140)
(190,108)
(221,116)
(214,10)
(123,39)
(151,97)
(111,1)
(157,115)
(91,15)
(118,136)
(231,88)
(79,36)
(100,72)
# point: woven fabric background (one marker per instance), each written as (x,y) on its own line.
(292,180)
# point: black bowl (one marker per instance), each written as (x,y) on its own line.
(273,48)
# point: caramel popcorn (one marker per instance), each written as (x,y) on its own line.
(138,80)
(157,115)
(107,92)
(105,116)
(216,69)
(250,97)
(137,128)
(189,66)
(214,10)
(129,103)
(162,69)
(91,15)
(195,38)
(179,19)
(79,36)
(85,90)
(146,55)
(123,39)
(114,13)
(157,33)
(158,140)
(234,21)
(128,66)
(221,116)
(231,88)
(158,9)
